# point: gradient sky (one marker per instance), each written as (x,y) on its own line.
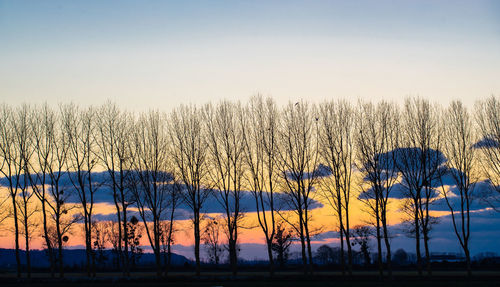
(146,54)
(159,54)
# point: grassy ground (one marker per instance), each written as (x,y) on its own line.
(187,274)
(266,284)
(260,279)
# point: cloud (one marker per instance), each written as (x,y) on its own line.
(487,142)
(483,196)
(101,182)
(484,234)
(320,171)
(327,235)
(405,159)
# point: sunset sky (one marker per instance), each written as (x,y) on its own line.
(160,54)
(145,54)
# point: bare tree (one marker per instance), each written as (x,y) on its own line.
(225,144)
(212,234)
(114,141)
(361,236)
(488,121)
(419,160)
(189,153)
(57,201)
(461,136)
(46,169)
(336,134)
(150,181)
(298,167)
(100,239)
(43,130)
(376,139)
(259,129)
(79,129)
(22,126)
(11,170)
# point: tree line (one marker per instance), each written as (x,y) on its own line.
(287,158)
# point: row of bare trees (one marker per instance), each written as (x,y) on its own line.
(288,159)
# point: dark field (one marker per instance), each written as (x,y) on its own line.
(285,279)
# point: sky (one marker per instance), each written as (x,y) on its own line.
(160,54)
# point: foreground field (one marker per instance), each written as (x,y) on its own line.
(261,279)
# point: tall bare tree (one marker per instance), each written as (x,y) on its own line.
(225,144)
(376,139)
(189,154)
(114,142)
(79,127)
(43,131)
(488,121)
(337,152)
(461,135)
(60,208)
(150,180)
(11,170)
(298,167)
(419,161)
(259,129)
(22,126)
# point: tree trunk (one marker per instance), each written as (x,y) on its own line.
(309,252)
(348,230)
(269,242)
(125,234)
(92,253)
(87,246)
(169,259)
(387,247)
(16,234)
(341,230)
(169,240)
(348,243)
(303,243)
(59,243)
(417,241)
(427,253)
(118,218)
(27,242)
(158,262)
(467,260)
(233,257)
(50,250)
(197,241)
(379,240)
(342,259)
(308,241)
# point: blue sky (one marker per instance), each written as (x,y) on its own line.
(146,54)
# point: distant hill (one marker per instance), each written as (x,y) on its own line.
(74,257)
